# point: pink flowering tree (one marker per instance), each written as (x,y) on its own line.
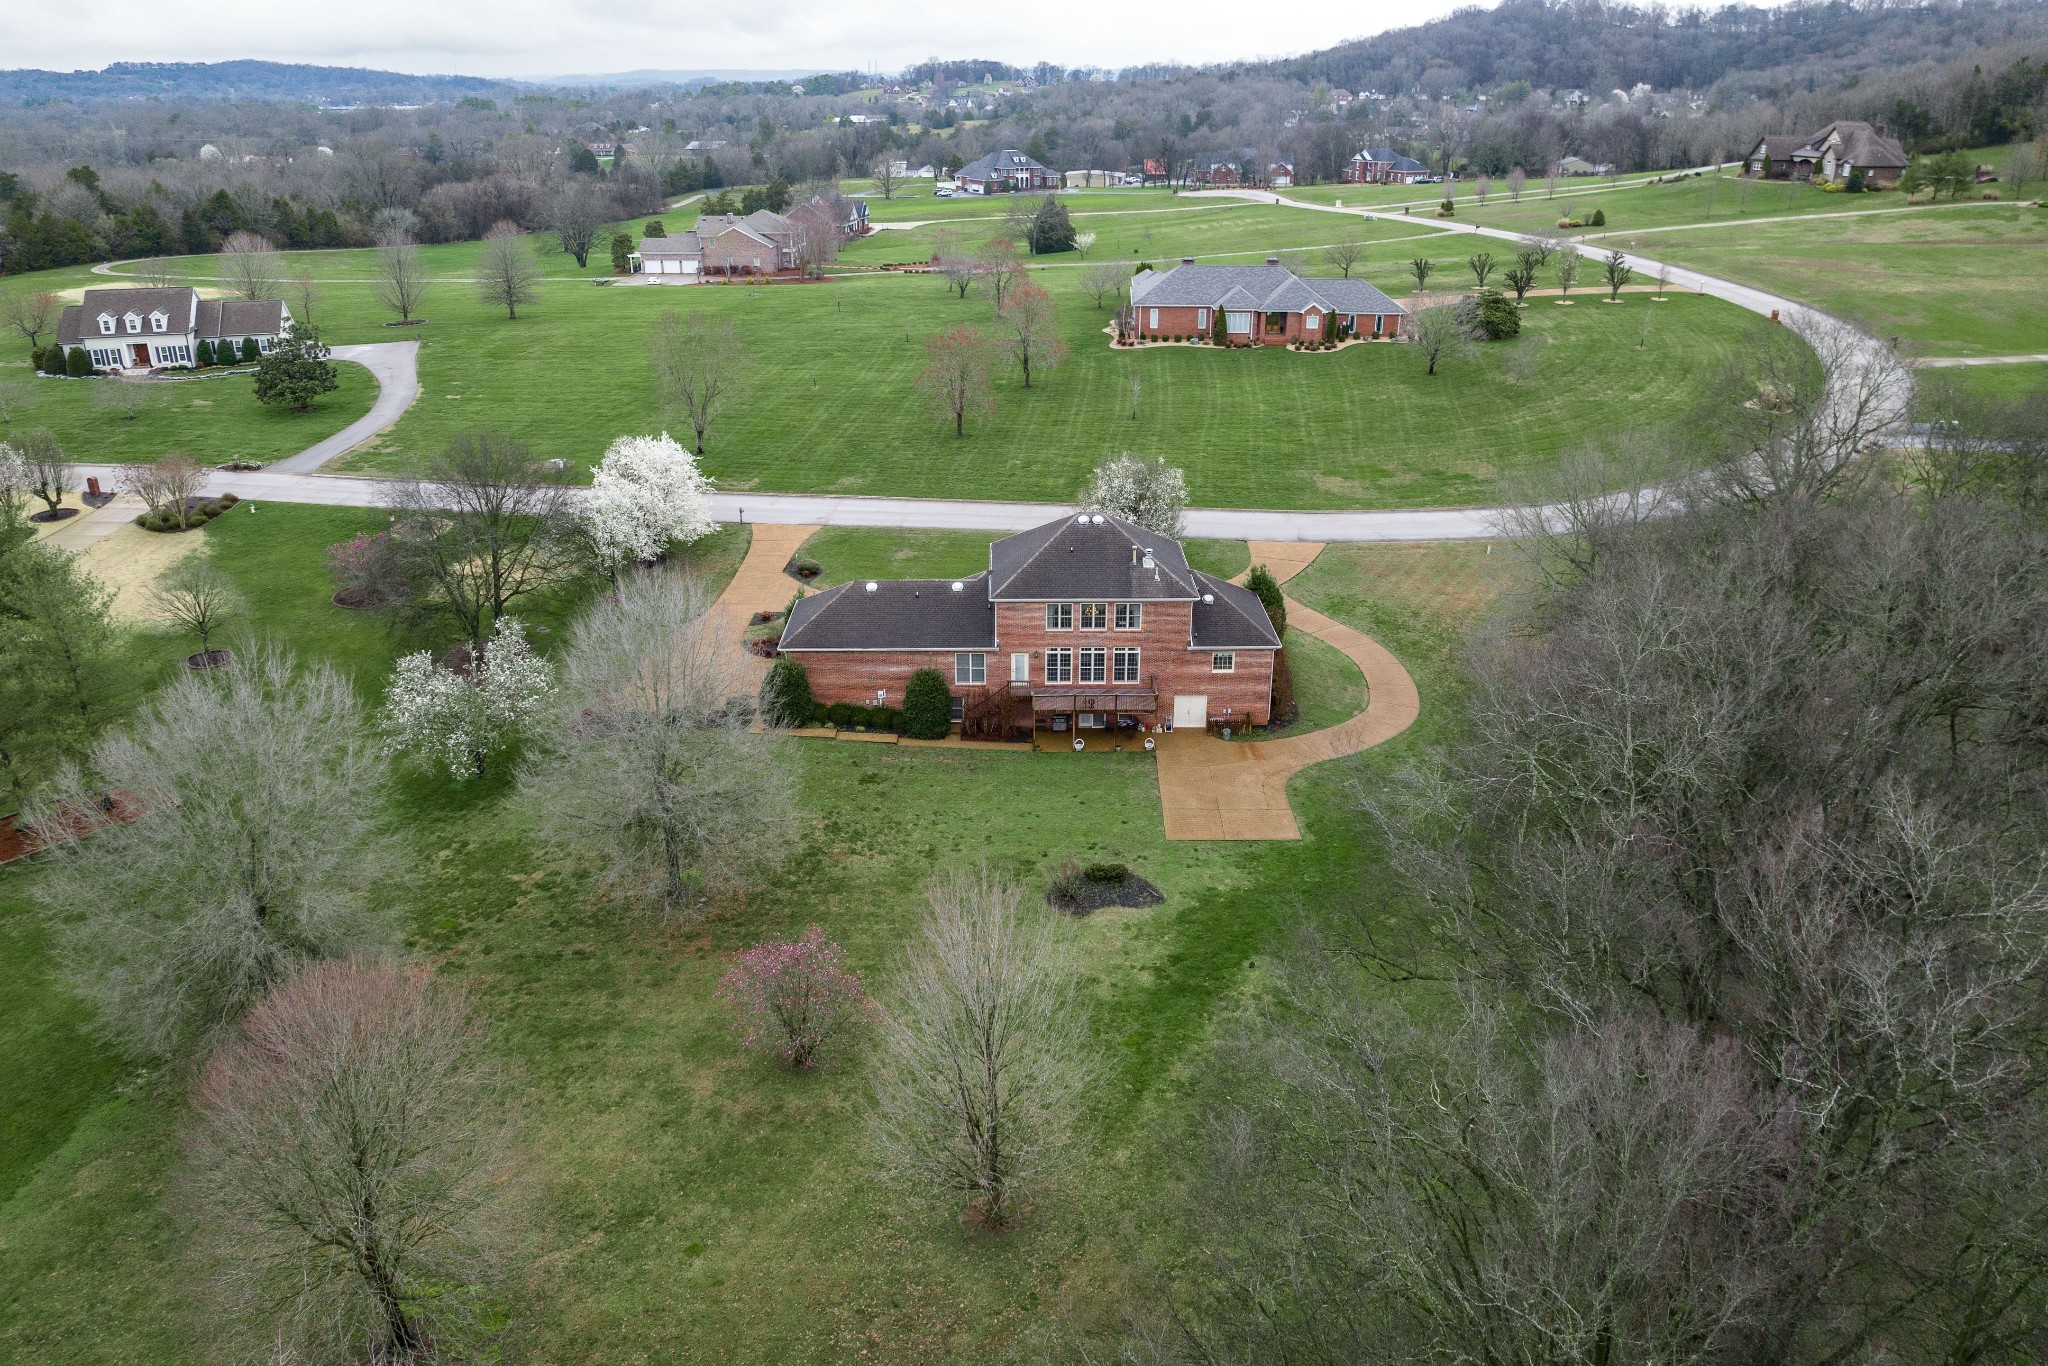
(793,995)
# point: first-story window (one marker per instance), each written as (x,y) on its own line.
(1201,320)
(1130,616)
(970,668)
(1223,662)
(1312,321)
(1126,663)
(1094,664)
(1155,317)
(1059,666)
(1095,616)
(1059,616)
(1237,322)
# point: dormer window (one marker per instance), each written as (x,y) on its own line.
(157,321)
(106,324)
(134,321)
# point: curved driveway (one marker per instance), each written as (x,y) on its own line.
(395,366)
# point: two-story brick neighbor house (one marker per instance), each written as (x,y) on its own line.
(1085,623)
(1266,305)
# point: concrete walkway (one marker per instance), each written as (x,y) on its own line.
(395,367)
(1214,789)
(1953,362)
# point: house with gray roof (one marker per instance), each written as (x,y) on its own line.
(1383,166)
(1258,305)
(1832,155)
(1006,172)
(681,256)
(1087,622)
(158,327)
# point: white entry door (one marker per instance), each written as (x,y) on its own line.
(1020,668)
(1191,712)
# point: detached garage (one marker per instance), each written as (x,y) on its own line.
(681,255)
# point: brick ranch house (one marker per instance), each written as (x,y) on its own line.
(1085,623)
(1829,156)
(153,327)
(1267,305)
(761,243)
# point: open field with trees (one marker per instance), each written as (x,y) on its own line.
(658,1152)
(1945,281)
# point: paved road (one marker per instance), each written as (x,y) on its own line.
(396,368)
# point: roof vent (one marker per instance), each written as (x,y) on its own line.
(957,585)
(1209,598)
(1272,260)
(1187,260)
(872,585)
(1148,560)
(1097,519)
(1082,520)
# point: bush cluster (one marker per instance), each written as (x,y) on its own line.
(853,716)
(199,516)
(1106,873)
(927,706)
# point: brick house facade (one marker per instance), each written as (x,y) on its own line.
(1088,622)
(1260,305)
(1383,166)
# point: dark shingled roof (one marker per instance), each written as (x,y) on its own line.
(1257,289)
(901,614)
(998,166)
(1077,558)
(209,319)
(1392,159)
(1237,620)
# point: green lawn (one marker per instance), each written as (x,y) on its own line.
(850,554)
(210,419)
(1209,229)
(1959,281)
(1328,687)
(690,1200)
(1984,381)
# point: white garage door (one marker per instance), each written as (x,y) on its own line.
(1191,712)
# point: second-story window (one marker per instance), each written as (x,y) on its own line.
(1094,664)
(1095,616)
(1130,616)
(1059,616)
(1059,666)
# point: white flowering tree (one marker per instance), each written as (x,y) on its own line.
(460,721)
(645,495)
(1150,493)
(14,480)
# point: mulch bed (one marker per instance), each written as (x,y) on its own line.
(1133,891)
(210,659)
(59,515)
(804,575)
(16,841)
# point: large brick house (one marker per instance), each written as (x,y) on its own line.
(1267,305)
(152,327)
(1006,172)
(1831,155)
(1085,623)
(1383,166)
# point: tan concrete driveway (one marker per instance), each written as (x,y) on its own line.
(759,585)
(1211,789)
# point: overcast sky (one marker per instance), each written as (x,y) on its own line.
(536,37)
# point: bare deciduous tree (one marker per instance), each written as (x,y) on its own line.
(958,378)
(506,273)
(998,263)
(651,760)
(885,175)
(985,1051)
(47,472)
(1421,267)
(196,596)
(1481,266)
(1568,262)
(168,485)
(1517,178)
(1029,318)
(252,267)
(401,273)
(482,526)
(244,858)
(31,312)
(576,215)
(1437,333)
(1104,281)
(1345,256)
(950,259)
(304,292)
(699,367)
(348,1156)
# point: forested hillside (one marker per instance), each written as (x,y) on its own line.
(286,81)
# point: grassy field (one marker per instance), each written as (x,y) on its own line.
(848,554)
(1210,230)
(1984,381)
(693,1202)
(1960,281)
(210,419)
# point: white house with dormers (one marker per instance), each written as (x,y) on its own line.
(153,328)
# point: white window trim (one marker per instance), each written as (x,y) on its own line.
(1091,656)
(1059,664)
(1053,609)
(1133,611)
(1155,318)
(1082,611)
(1312,322)
(1116,669)
(1223,661)
(970,667)
(1237,322)
(106,324)
(1201,320)
(134,323)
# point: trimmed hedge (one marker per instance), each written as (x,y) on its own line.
(927,706)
